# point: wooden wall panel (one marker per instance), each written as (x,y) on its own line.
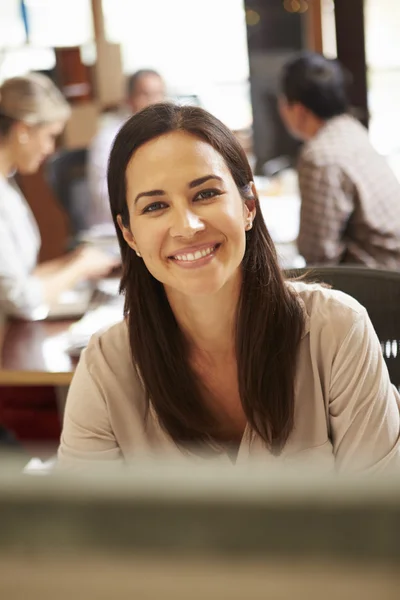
(350,35)
(314,26)
(51,219)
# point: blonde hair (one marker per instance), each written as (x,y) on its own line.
(32,99)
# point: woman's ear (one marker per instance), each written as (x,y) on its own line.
(127,234)
(254,194)
(22,132)
(250,207)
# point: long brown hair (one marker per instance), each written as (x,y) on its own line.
(269,317)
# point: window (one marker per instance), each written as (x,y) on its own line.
(200,49)
(382,24)
(328,28)
(12,31)
(51,23)
(60,23)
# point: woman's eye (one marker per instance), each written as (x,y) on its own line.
(207,194)
(153,207)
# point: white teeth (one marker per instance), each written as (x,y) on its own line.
(196,255)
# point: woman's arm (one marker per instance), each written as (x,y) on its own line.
(64,273)
(20,293)
(51,266)
(87,434)
(27,294)
(364,407)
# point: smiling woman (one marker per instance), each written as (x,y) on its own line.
(188,222)
(218,353)
(33,112)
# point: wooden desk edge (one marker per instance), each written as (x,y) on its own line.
(25,378)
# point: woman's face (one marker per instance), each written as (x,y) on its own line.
(31,145)
(187,218)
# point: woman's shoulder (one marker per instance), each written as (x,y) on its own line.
(107,369)
(12,201)
(6,190)
(109,347)
(327,308)
(106,405)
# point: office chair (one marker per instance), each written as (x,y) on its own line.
(66,173)
(378,291)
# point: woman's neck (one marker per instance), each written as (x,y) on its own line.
(6,162)
(208,321)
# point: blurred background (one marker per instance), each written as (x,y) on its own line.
(224,55)
(159,533)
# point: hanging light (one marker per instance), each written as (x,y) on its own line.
(296,6)
(252,17)
(303,6)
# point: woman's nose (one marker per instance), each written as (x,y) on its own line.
(186,223)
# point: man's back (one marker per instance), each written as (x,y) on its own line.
(350,199)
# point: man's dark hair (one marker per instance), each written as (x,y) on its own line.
(134,78)
(318,83)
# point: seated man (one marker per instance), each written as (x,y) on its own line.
(350,198)
(144,87)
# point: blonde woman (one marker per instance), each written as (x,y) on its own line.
(33,113)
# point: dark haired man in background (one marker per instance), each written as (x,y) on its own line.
(145,87)
(350,198)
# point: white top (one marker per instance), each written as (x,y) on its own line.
(99,152)
(20,292)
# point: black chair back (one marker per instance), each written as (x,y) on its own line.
(379,292)
(66,173)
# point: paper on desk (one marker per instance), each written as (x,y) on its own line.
(109,286)
(94,321)
(282,217)
(98,232)
(36,466)
(102,237)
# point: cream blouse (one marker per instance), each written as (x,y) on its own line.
(346,410)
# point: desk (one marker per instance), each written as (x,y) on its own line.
(199,531)
(33,353)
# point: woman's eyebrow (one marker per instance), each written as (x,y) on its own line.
(192,184)
(149,193)
(200,180)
